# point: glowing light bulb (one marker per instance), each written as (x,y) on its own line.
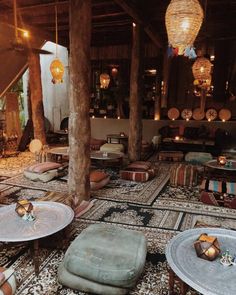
(185,25)
(26,34)
(201,69)
(118,117)
(105,117)
(93,117)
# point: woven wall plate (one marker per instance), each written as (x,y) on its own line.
(186,114)
(173,113)
(35,146)
(211,114)
(198,114)
(224,114)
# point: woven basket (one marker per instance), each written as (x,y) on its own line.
(183,21)
(202,69)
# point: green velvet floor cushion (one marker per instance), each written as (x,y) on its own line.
(198,157)
(108,255)
(78,283)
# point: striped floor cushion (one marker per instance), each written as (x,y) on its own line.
(219,186)
(170,156)
(183,175)
(138,176)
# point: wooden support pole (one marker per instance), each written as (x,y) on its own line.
(36,97)
(135,115)
(79,121)
(165,81)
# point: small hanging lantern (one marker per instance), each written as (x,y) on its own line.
(104,80)
(183,21)
(57,71)
(56,66)
(114,72)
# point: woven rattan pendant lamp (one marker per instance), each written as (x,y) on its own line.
(183,21)
(202,72)
(56,66)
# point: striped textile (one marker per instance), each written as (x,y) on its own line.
(183,175)
(219,186)
(9,286)
(139,176)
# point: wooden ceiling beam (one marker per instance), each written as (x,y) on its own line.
(134,13)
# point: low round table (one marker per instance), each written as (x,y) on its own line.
(50,217)
(206,277)
(104,157)
(58,153)
(213,170)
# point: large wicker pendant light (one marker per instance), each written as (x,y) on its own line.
(104,80)
(183,21)
(56,66)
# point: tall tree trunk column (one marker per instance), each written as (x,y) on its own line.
(79,121)
(135,115)
(36,97)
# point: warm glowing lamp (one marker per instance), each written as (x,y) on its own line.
(207,247)
(57,71)
(104,80)
(183,21)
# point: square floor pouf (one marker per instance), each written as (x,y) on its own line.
(104,259)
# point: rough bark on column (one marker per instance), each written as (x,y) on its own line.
(36,97)
(135,115)
(79,121)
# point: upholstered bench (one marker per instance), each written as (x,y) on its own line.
(139,171)
(170,156)
(104,259)
(183,175)
(44,171)
(112,148)
(198,157)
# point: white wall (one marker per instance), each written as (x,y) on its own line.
(55,96)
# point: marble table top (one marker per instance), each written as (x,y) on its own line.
(206,277)
(50,217)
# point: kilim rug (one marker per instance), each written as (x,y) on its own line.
(117,189)
(154,280)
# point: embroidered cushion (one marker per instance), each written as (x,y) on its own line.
(8,286)
(43,167)
(97,185)
(140,165)
(183,175)
(219,186)
(138,176)
(96,175)
(108,255)
(44,177)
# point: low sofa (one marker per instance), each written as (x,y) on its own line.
(187,138)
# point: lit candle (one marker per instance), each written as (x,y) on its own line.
(222,160)
(211,252)
(105,117)
(93,117)
(118,117)
(177,138)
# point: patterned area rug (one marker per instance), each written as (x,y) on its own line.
(154,279)
(117,189)
(14,165)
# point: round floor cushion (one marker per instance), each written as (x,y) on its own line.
(112,147)
(198,157)
(107,256)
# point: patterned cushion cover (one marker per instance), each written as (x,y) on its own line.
(43,167)
(8,286)
(139,176)
(219,186)
(95,144)
(97,185)
(96,175)
(183,175)
(44,177)
(140,165)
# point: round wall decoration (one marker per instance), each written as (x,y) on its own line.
(198,114)
(224,114)
(186,114)
(211,114)
(173,113)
